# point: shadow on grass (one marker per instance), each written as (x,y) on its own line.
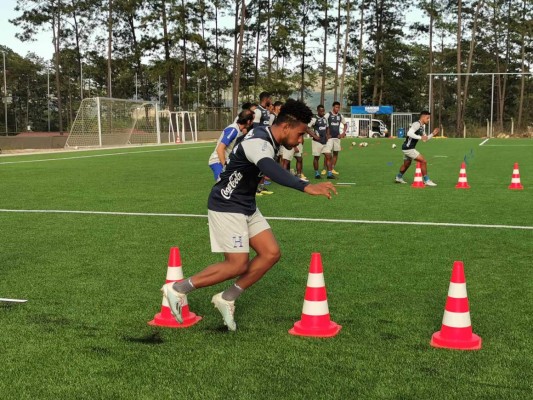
(151,339)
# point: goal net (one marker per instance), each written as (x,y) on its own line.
(181,126)
(104,121)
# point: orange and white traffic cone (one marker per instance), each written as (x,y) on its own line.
(515,180)
(315,315)
(178,139)
(462,183)
(456,332)
(418,182)
(165,317)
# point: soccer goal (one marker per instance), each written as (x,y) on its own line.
(104,121)
(401,122)
(182,126)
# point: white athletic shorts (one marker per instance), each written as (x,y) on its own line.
(290,154)
(410,154)
(231,232)
(319,148)
(335,144)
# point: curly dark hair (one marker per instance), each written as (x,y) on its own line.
(294,111)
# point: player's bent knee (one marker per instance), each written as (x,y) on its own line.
(272,256)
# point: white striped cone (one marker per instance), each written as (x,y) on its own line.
(462,183)
(165,317)
(515,180)
(315,314)
(456,331)
(418,182)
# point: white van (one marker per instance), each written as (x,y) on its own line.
(366,127)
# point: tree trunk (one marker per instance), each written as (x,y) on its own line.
(78,50)
(323,88)
(269,47)
(56,27)
(470,57)
(169,75)
(345,50)
(360,61)
(377,48)
(237,70)
(109,48)
(303,42)
(459,122)
(431,23)
(523,66)
(185,81)
(258,33)
(138,62)
(337,51)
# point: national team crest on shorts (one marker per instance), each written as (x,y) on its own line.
(237,242)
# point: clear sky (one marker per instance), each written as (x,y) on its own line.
(43,46)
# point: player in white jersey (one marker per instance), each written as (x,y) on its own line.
(227,140)
(235,223)
(416,132)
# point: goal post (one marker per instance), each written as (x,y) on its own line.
(102,121)
(182,126)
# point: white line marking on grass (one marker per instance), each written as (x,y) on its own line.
(100,155)
(509,145)
(13,300)
(345,183)
(344,221)
(483,142)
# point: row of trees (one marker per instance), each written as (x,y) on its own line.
(187,52)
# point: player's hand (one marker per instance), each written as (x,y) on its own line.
(436,131)
(321,189)
(424,138)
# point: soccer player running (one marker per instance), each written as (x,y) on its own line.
(416,133)
(227,140)
(235,222)
(321,143)
(335,119)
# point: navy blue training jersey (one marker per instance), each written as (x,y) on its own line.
(262,117)
(334,122)
(410,143)
(320,126)
(235,191)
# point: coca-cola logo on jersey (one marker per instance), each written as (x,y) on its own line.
(234,180)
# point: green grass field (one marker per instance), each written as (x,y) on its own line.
(92,280)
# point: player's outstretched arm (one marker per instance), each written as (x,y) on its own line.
(321,189)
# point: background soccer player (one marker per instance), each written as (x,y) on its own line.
(335,120)
(235,222)
(416,132)
(321,144)
(227,140)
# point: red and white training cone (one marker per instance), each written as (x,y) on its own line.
(456,332)
(462,183)
(515,180)
(418,182)
(165,317)
(315,315)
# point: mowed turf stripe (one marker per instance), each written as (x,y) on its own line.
(101,155)
(344,221)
